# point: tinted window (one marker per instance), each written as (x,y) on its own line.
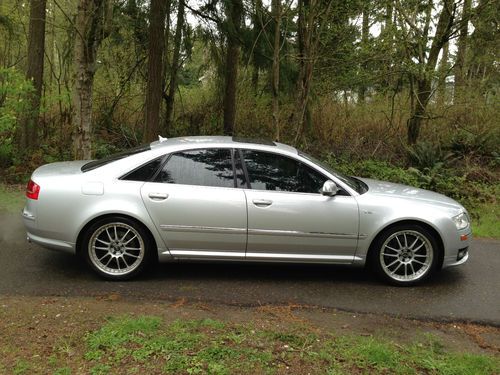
(206,167)
(353,182)
(145,172)
(108,159)
(268,171)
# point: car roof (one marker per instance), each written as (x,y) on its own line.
(220,141)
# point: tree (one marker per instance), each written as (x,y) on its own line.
(484,44)
(275,82)
(313,16)
(28,131)
(155,72)
(443,71)
(421,76)
(365,30)
(460,67)
(257,29)
(174,67)
(92,21)
(234,13)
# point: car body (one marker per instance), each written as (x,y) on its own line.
(223,198)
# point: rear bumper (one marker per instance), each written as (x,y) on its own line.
(52,244)
(35,235)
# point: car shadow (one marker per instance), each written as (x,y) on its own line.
(73,268)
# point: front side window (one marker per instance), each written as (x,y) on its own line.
(268,171)
(204,167)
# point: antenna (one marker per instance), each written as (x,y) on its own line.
(161,139)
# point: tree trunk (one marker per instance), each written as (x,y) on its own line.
(91,19)
(155,72)
(442,74)
(424,81)
(419,110)
(174,68)
(28,131)
(257,27)
(276,13)
(365,29)
(234,12)
(460,68)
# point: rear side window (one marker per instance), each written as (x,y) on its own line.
(269,171)
(204,167)
(144,172)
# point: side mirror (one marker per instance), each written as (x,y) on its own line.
(330,188)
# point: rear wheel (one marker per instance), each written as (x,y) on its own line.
(117,248)
(405,254)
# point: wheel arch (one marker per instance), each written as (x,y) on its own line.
(87,225)
(423,224)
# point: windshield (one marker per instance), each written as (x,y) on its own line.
(108,159)
(354,183)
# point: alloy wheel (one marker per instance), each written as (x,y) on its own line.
(406,256)
(116,249)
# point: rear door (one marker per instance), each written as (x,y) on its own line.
(196,206)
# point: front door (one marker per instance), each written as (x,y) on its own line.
(196,207)
(289,219)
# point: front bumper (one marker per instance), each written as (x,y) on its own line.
(459,253)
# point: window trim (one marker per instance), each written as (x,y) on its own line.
(244,168)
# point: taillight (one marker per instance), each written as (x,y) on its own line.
(32,190)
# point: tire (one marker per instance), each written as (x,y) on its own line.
(405,255)
(117,248)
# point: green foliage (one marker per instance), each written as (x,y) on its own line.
(437,178)
(427,156)
(14,92)
(22,367)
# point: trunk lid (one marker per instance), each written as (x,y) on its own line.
(59,169)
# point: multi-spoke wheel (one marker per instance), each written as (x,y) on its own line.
(117,248)
(405,255)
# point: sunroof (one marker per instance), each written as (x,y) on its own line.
(254,140)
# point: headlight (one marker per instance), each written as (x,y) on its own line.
(461,221)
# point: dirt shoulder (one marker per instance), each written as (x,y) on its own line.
(54,335)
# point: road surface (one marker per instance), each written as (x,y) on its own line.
(467,293)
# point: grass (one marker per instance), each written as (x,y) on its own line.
(11,198)
(486,221)
(145,344)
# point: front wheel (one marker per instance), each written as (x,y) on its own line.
(405,255)
(117,248)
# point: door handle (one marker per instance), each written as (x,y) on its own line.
(262,202)
(158,196)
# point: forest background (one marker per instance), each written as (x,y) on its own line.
(400,90)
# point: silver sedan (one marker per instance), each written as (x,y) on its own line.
(222,198)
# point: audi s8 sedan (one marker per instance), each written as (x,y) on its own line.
(223,198)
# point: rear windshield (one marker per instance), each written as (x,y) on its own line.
(108,159)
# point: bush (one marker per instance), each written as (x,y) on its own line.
(439,178)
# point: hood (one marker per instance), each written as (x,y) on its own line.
(389,189)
